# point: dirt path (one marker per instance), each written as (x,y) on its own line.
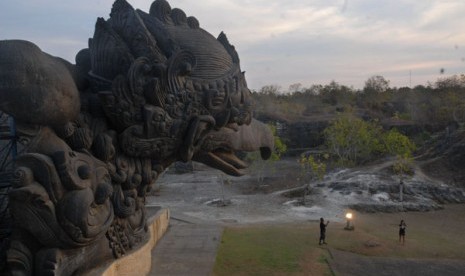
(349,264)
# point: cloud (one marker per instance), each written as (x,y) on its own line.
(283,42)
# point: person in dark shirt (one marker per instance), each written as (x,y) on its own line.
(402,227)
(323,231)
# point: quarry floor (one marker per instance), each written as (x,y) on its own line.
(205,201)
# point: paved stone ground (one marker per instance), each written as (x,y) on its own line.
(350,264)
(187,248)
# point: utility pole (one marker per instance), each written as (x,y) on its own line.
(410,79)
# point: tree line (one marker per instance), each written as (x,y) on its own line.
(417,112)
(370,123)
(433,106)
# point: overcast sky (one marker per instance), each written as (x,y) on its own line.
(283,42)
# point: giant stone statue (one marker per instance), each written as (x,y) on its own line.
(150,89)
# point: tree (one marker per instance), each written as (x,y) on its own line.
(279,146)
(334,93)
(402,166)
(402,148)
(453,82)
(312,167)
(295,87)
(397,143)
(353,140)
(270,89)
(454,106)
(376,84)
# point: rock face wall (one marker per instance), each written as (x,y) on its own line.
(443,158)
(305,134)
(308,133)
(151,89)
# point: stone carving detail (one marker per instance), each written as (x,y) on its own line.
(151,89)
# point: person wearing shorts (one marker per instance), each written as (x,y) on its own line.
(402,227)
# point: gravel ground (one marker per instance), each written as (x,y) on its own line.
(210,195)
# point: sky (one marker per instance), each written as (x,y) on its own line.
(408,42)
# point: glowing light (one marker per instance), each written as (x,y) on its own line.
(349,216)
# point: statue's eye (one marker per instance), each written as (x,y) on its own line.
(84,172)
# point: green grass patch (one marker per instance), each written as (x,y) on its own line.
(269,250)
(294,250)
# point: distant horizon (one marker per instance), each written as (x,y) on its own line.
(409,42)
(303,87)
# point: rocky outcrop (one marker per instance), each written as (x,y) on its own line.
(307,134)
(374,189)
(444,158)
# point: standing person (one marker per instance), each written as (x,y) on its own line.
(323,231)
(402,227)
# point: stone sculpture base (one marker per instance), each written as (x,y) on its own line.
(138,261)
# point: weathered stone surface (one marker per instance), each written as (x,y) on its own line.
(152,89)
(33,83)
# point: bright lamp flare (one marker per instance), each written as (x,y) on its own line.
(349,215)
